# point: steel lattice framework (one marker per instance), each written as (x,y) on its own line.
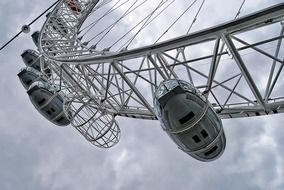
(123,82)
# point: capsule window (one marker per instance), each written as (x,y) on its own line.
(186,118)
(29,82)
(204,133)
(167,115)
(191,97)
(196,139)
(60,119)
(48,112)
(42,101)
(211,150)
(37,67)
(52,109)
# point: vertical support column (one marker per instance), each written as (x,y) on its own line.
(132,86)
(213,66)
(187,69)
(164,62)
(268,90)
(244,70)
(157,67)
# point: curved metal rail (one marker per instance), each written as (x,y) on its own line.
(122,83)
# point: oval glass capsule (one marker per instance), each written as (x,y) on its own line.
(189,119)
(48,102)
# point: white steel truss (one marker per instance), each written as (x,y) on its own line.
(123,82)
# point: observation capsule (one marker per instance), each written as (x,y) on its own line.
(189,119)
(29,75)
(35,37)
(74,5)
(32,59)
(48,102)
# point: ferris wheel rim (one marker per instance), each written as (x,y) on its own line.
(275,12)
(108,56)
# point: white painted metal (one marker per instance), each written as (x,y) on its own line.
(109,83)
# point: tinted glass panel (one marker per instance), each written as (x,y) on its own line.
(196,139)
(211,150)
(42,101)
(186,118)
(60,119)
(204,133)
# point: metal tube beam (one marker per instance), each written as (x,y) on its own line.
(150,58)
(213,66)
(164,62)
(262,18)
(274,63)
(135,90)
(244,70)
(259,50)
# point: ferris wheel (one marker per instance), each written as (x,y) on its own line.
(101,59)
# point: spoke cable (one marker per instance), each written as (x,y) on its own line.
(239,11)
(33,21)
(109,28)
(113,8)
(143,26)
(146,21)
(195,18)
(176,21)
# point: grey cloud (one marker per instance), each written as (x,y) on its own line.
(18,165)
(37,155)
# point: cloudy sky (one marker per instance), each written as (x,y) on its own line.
(35,154)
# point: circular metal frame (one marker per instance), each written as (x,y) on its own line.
(109,77)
